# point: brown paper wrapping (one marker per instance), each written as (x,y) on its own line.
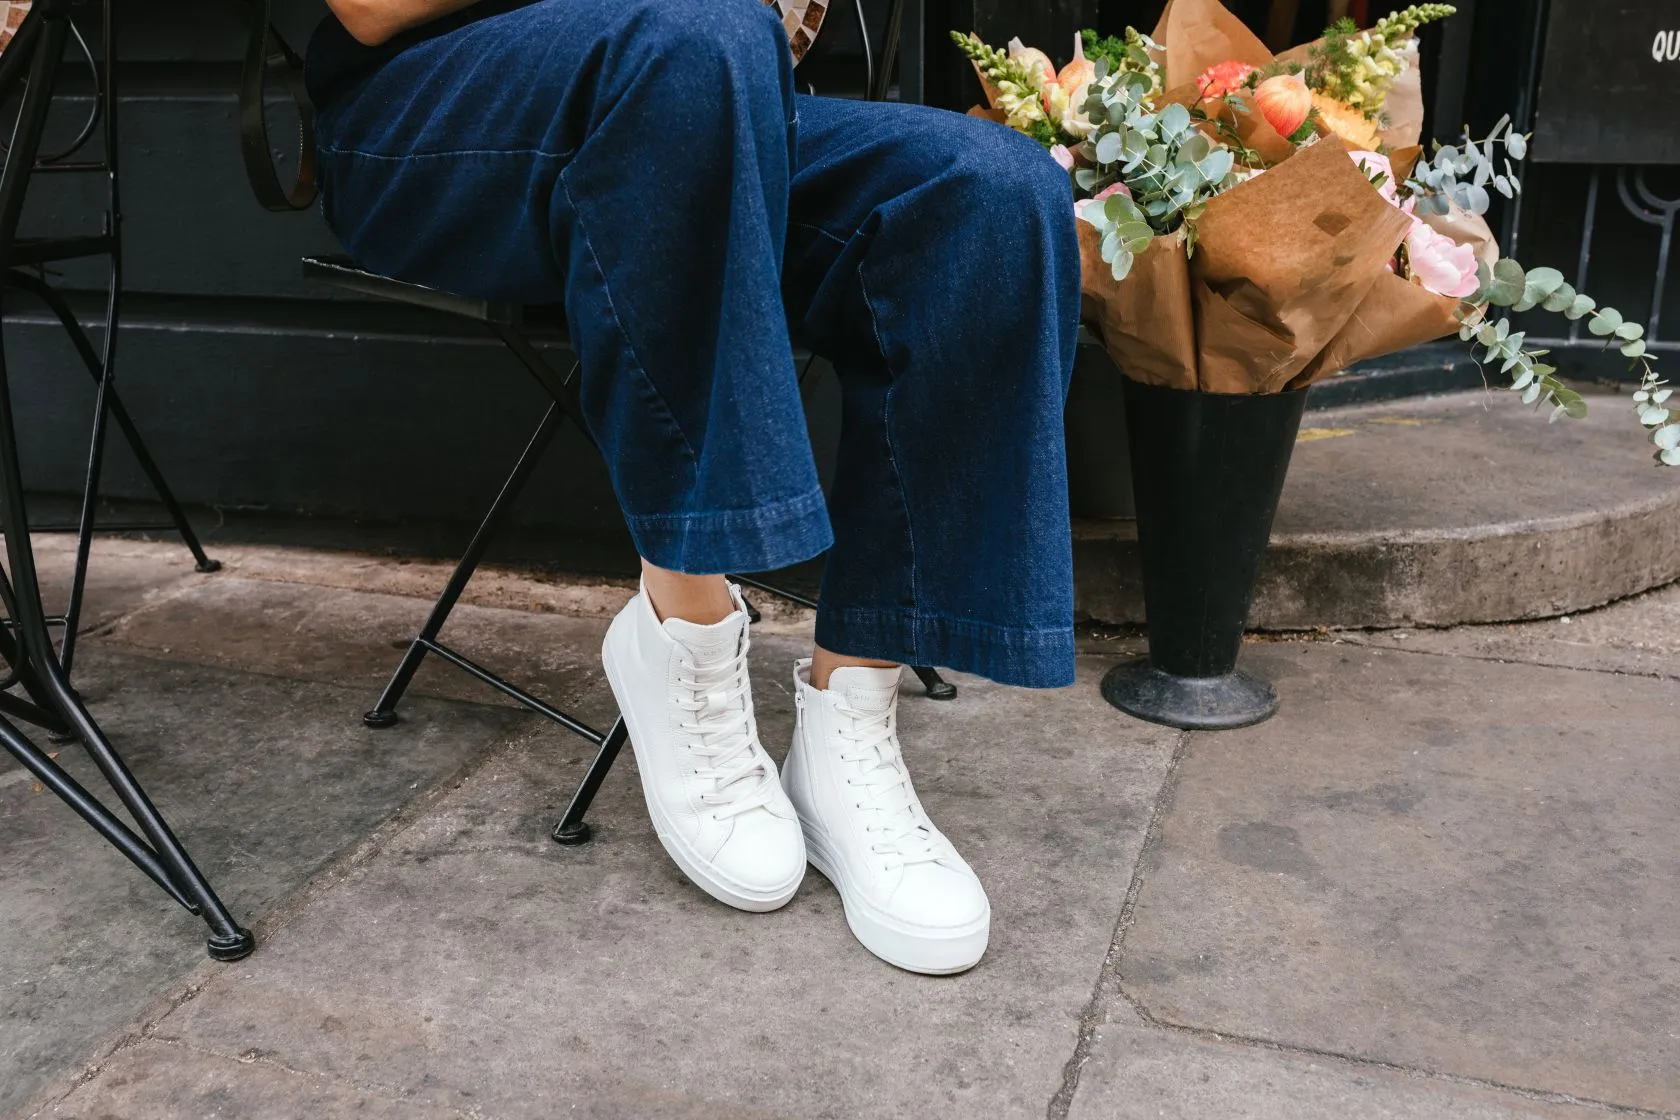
(1196,34)
(1402,113)
(1145,321)
(1281,263)
(1396,313)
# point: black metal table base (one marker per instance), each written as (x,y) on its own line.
(36,688)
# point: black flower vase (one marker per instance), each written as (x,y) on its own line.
(1207,470)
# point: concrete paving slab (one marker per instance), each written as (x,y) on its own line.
(1436,862)
(122,574)
(356,638)
(265,781)
(158,1079)
(1639,635)
(473,961)
(1134,1073)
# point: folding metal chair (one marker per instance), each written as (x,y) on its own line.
(268,53)
(508,323)
(35,688)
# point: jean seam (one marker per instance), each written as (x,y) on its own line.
(955,620)
(612,309)
(834,237)
(886,433)
(723,518)
(333,149)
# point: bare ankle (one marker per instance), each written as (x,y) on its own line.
(699,599)
(824,662)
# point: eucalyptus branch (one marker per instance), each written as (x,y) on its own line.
(1507,285)
(1168,167)
(1461,174)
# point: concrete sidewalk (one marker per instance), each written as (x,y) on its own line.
(1441,883)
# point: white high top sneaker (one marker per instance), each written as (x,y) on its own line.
(711,788)
(910,898)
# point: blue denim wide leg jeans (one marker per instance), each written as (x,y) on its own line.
(647,163)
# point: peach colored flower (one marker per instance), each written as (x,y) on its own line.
(1061,155)
(1033,59)
(1284,100)
(1222,78)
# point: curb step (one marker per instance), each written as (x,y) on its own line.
(1435,511)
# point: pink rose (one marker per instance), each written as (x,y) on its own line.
(1440,264)
(1061,155)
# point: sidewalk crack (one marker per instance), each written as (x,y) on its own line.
(1108,989)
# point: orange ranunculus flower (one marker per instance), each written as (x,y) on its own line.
(1223,78)
(1284,100)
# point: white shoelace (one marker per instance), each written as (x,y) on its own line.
(901,835)
(722,731)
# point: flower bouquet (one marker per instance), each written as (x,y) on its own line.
(1249,224)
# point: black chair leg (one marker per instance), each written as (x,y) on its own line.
(938,688)
(384,713)
(573,829)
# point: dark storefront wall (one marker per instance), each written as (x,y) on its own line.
(261,392)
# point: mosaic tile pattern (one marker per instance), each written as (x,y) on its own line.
(11,15)
(802,19)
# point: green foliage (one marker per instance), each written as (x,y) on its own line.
(1508,285)
(1168,164)
(1129,55)
(1357,67)
(1463,173)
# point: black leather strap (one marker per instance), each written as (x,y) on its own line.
(268,56)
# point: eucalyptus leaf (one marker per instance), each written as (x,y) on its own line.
(1560,299)
(1507,283)
(1175,118)
(1605,322)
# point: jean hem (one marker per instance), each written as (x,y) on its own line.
(1019,656)
(711,542)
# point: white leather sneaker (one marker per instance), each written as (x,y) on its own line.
(909,897)
(711,788)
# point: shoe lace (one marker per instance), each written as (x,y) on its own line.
(902,834)
(721,730)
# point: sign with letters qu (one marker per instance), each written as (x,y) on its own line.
(1608,83)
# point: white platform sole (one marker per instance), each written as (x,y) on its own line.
(699,871)
(933,952)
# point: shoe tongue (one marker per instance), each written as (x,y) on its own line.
(865,689)
(712,644)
